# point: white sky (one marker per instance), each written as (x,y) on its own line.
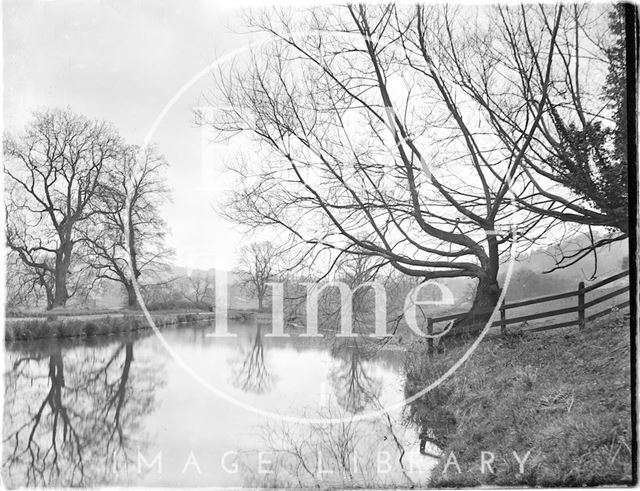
(123,62)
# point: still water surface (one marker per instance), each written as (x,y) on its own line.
(121,410)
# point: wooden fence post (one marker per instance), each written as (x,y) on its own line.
(503,319)
(581,305)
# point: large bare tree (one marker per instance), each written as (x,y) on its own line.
(53,172)
(126,238)
(369,146)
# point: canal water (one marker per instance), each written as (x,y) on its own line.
(225,411)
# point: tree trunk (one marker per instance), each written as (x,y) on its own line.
(486,297)
(49,293)
(63,261)
(60,295)
(132,298)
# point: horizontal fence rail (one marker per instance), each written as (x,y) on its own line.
(580,307)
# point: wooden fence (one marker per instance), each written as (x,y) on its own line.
(580,307)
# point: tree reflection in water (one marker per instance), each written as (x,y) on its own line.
(428,413)
(350,454)
(362,454)
(355,389)
(251,374)
(72,415)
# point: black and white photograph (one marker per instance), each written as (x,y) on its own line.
(313,245)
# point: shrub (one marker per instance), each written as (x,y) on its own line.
(90,329)
(113,326)
(128,324)
(178,305)
(56,329)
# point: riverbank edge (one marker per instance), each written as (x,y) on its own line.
(64,328)
(565,397)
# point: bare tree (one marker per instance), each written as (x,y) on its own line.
(575,169)
(373,150)
(585,138)
(258,265)
(126,238)
(54,170)
(25,286)
(199,288)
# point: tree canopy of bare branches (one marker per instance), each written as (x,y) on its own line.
(127,239)
(82,206)
(576,168)
(54,171)
(259,264)
(372,145)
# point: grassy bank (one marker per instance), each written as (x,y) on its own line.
(64,327)
(565,397)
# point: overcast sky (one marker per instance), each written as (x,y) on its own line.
(123,62)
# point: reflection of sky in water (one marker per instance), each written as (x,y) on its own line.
(296,377)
